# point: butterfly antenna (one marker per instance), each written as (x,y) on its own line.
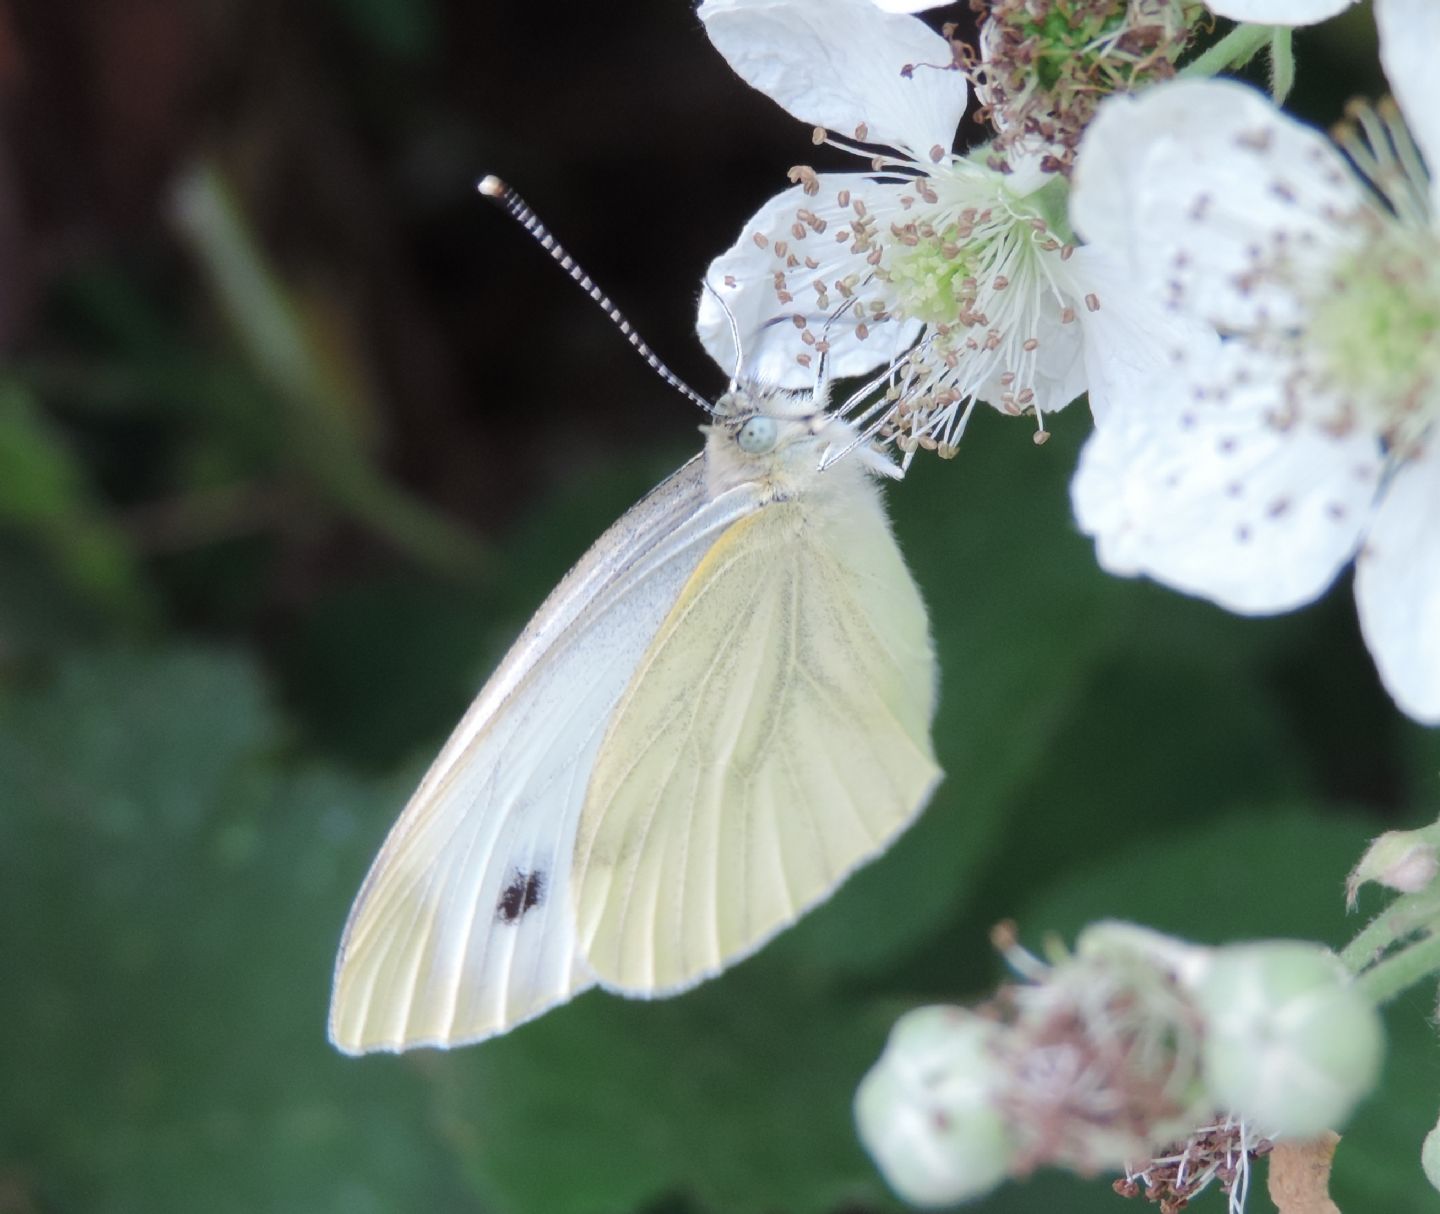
(822,364)
(885,406)
(734,333)
(493,187)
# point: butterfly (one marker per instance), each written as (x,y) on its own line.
(720,712)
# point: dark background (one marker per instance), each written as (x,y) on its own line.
(295,432)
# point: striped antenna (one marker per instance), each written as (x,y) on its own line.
(493,187)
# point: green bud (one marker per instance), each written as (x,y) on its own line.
(1430,1157)
(1290,1045)
(1403,860)
(926,1111)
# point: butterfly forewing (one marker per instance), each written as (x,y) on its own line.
(465,925)
(775,735)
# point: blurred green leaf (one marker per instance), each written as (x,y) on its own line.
(314,383)
(46,498)
(378,670)
(737,1094)
(1267,869)
(1138,768)
(173,893)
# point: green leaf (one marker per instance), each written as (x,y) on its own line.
(46,498)
(1267,869)
(736,1095)
(383,669)
(172,896)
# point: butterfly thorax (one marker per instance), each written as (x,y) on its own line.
(776,439)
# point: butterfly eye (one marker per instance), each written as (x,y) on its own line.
(757,436)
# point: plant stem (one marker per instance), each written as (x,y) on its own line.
(1236,49)
(1282,62)
(1404,918)
(1401,971)
(324,432)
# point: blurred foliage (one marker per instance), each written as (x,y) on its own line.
(294,436)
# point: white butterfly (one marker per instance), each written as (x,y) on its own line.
(718,714)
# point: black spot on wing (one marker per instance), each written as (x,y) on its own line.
(526,890)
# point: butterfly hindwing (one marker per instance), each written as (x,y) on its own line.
(775,735)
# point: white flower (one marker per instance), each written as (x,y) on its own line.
(1253,475)
(1279,12)
(928,1110)
(1290,1044)
(974,263)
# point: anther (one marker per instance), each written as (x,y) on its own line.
(806,177)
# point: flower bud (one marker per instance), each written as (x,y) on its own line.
(1114,938)
(1430,1157)
(926,1111)
(1403,860)
(1290,1044)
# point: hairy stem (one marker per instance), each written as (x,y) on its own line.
(1402,970)
(1236,49)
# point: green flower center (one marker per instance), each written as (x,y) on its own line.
(1377,329)
(935,280)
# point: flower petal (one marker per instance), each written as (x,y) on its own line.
(1397,587)
(1193,180)
(1129,342)
(1409,40)
(1279,12)
(842,64)
(752,274)
(1207,495)
(1058,375)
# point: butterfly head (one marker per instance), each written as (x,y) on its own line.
(778,438)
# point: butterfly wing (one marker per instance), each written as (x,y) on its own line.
(464,926)
(775,736)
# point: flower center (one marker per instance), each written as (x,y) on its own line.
(1376,331)
(1045,65)
(982,269)
(936,279)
